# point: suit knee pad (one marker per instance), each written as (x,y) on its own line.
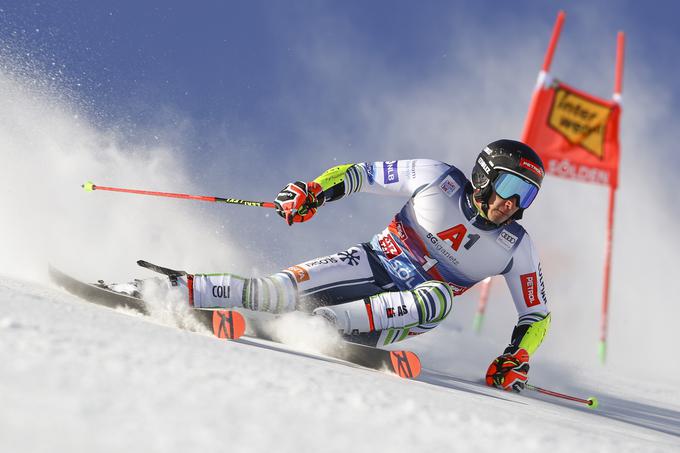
(426,304)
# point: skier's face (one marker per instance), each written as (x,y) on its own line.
(500,209)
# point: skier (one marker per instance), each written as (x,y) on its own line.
(451,234)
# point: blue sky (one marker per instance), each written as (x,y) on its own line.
(253,94)
(239,66)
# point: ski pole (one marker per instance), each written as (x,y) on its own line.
(89,186)
(591,402)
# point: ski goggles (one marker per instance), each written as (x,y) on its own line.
(508,185)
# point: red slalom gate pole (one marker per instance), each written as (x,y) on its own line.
(545,69)
(590,402)
(90,187)
(481,305)
(604,324)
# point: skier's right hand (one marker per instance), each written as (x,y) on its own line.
(297,202)
(509,371)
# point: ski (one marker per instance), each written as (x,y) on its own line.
(224,324)
(403,363)
(96,293)
(232,325)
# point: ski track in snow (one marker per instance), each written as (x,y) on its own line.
(79,377)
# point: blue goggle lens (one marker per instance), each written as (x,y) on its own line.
(508,185)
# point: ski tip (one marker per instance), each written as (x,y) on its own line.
(228,324)
(405,364)
(88,186)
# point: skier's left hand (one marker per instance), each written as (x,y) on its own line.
(509,371)
(297,202)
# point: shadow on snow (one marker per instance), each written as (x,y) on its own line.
(648,416)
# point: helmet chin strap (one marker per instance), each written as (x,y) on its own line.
(481,196)
(517,215)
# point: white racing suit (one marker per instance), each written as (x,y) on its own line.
(403,281)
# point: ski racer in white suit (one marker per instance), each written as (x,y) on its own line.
(451,234)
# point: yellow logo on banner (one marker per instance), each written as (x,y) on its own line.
(580,120)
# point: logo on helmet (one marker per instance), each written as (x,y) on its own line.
(532,167)
(486,168)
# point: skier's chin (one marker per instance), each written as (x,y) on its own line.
(498,217)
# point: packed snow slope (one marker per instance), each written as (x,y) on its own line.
(80,377)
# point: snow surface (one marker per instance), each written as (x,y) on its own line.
(80,377)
